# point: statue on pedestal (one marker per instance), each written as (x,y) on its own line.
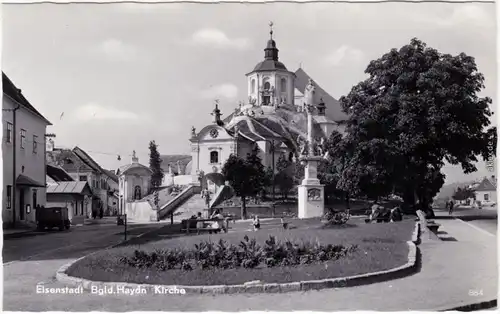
(193,131)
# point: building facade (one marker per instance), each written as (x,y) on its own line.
(82,167)
(23,153)
(134,183)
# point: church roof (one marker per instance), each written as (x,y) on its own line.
(269,65)
(253,129)
(333,108)
(134,165)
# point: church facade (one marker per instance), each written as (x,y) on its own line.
(273,119)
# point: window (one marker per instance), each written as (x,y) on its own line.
(10,127)
(266,100)
(9,196)
(82,178)
(214,157)
(486,197)
(252,86)
(34,198)
(267,86)
(23,138)
(283,85)
(75,208)
(137,192)
(35,144)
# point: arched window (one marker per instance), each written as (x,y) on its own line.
(267,86)
(290,156)
(283,85)
(137,192)
(252,86)
(214,157)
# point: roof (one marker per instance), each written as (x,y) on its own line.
(269,65)
(134,165)
(333,108)
(10,89)
(58,174)
(27,181)
(253,129)
(80,153)
(487,185)
(111,175)
(71,187)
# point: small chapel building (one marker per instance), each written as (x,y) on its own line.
(134,182)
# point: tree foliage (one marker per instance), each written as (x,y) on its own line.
(246,176)
(155,165)
(418,109)
(462,194)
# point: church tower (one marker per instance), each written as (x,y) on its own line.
(270,83)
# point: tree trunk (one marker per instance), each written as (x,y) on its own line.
(243,208)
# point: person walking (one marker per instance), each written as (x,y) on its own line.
(451,207)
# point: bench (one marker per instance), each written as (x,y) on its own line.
(188,225)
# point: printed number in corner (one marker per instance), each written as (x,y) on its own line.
(475,292)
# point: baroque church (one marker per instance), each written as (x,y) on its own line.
(274,119)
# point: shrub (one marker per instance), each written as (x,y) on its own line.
(333,217)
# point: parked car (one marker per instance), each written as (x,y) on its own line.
(51,217)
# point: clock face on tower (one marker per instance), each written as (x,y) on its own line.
(214,133)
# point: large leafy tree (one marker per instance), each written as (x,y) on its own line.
(283,177)
(155,165)
(418,109)
(246,176)
(330,169)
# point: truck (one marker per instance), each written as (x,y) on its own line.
(50,217)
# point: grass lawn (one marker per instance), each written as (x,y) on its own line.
(380,247)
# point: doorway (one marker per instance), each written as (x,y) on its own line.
(21,204)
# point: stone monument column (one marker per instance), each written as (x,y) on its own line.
(311,191)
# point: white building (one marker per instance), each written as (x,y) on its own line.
(23,153)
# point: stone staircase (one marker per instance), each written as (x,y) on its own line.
(189,208)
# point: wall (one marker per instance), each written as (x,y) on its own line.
(491,199)
(34,164)
(140,211)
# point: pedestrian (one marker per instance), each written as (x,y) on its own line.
(256,223)
(284,223)
(451,207)
(199,224)
(101,213)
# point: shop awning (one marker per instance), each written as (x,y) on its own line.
(23,180)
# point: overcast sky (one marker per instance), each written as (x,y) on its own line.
(125,74)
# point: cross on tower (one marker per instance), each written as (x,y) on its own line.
(271,27)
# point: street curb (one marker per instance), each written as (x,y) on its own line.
(478,306)
(407,269)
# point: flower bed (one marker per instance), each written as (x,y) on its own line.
(248,254)
(378,247)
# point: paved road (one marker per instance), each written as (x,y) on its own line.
(485,219)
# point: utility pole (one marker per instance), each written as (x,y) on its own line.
(14,163)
